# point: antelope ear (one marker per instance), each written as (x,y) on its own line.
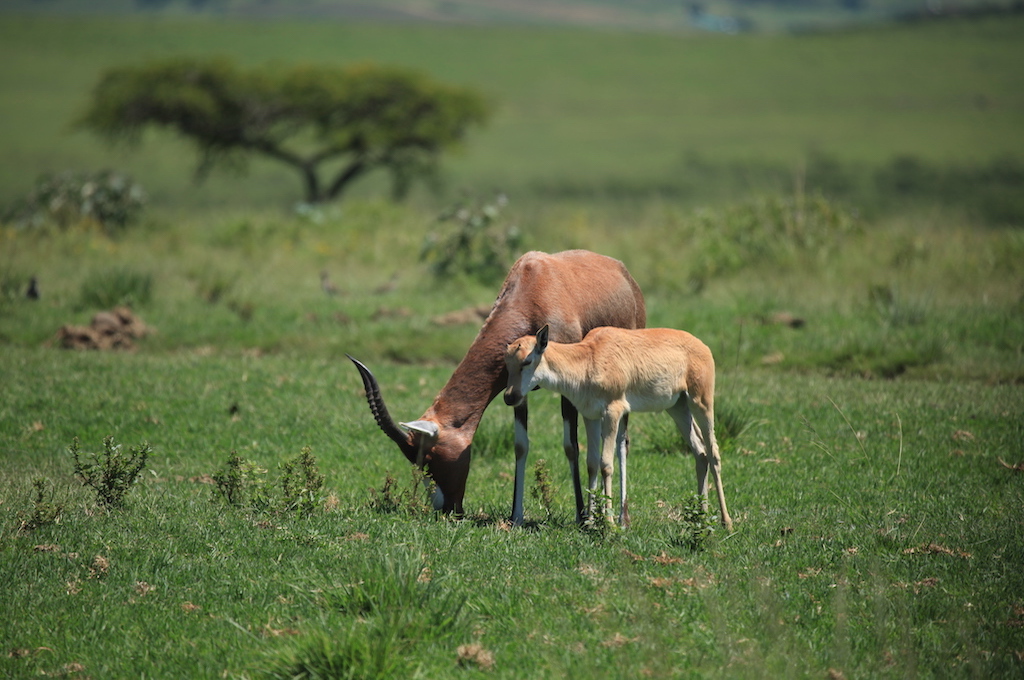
(542,339)
(423,427)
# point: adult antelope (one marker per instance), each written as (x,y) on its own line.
(614,371)
(573,292)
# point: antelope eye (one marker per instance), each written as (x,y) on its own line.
(527,363)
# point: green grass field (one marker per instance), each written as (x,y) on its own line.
(877,529)
(876,534)
(867,452)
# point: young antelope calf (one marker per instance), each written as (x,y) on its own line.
(613,371)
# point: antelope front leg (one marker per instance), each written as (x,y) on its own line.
(593,460)
(609,447)
(522,448)
(570,441)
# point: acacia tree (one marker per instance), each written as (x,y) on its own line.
(332,124)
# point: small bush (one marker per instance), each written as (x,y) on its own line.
(599,523)
(893,309)
(732,422)
(44,510)
(481,246)
(543,491)
(111,474)
(241,483)
(401,586)
(698,524)
(392,499)
(108,288)
(244,484)
(106,198)
(301,484)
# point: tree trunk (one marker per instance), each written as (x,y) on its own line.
(312,183)
(345,177)
(305,166)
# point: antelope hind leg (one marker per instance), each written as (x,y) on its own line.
(680,413)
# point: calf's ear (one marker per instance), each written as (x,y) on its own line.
(542,339)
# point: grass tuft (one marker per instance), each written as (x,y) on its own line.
(107,288)
(44,510)
(359,653)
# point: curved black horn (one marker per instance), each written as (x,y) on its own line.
(380,411)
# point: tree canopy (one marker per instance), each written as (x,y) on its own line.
(332,124)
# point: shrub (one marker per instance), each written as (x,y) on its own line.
(301,484)
(481,246)
(697,523)
(543,491)
(732,422)
(359,652)
(599,523)
(44,510)
(111,474)
(241,483)
(392,499)
(881,357)
(106,198)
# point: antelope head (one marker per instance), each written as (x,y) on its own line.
(439,451)
(522,358)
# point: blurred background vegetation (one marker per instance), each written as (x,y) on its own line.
(901,111)
(866,172)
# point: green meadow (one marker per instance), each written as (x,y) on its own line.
(836,215)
